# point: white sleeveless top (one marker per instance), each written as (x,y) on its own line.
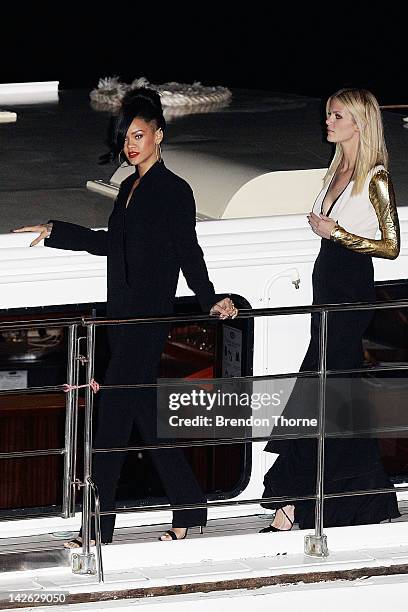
(355,213)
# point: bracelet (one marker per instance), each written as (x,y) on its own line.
(49,229)
(333,233)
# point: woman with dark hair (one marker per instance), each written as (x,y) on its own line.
(356,201)
(151,236)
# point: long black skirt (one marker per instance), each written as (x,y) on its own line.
(351,464)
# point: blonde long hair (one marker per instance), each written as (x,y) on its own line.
(372,150)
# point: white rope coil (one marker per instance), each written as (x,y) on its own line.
(110,91)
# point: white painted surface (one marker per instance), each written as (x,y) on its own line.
(288,192)
(7,116)
(229,190)
(235,557)
(29,93)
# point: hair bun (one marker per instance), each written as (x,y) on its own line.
(143,102)
(134,97)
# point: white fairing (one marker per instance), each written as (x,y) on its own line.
(231,190)
(29,93)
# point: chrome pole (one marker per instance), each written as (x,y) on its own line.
(316,545)
(70,426)
(84,563)
(79,360)
(75,427)
(98,538)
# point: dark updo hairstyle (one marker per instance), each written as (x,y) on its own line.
(139,102)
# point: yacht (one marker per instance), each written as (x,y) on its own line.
(255,167)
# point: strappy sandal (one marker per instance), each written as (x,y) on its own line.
(272,528)
(173,535)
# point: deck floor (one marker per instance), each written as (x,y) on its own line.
(138,567)
(245,525)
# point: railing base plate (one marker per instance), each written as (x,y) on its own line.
(83,564)
(316,546)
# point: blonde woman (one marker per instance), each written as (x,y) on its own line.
(356,201)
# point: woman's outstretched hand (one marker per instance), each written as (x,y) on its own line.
(224,309)
(44,231)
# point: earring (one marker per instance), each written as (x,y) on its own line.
(158,153)
(122,160)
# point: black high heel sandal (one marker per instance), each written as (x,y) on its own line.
(173,535)
(272,528)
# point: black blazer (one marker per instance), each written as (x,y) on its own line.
(146,245)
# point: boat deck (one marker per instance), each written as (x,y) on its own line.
(215,528)
(53,149)
(139,567)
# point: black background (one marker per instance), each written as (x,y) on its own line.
(310,49)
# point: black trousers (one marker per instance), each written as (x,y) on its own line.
(135,355)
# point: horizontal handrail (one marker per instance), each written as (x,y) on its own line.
(183,382)
(32,453)
(249,313)
(243,502)
(13,517)
(29,323)
(33,390)
(27,515)
(243,314)
(197,381)
(209,442)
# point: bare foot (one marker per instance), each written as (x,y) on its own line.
(179,532)
(284,518)
(77,543)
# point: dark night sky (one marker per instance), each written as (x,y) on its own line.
(306,51)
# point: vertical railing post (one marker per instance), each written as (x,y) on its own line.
(97,522)
(71,408)
(316,545)
(85,563)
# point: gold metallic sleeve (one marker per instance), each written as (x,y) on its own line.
(381,194)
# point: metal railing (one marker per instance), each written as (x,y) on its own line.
(84,562)
(71,407)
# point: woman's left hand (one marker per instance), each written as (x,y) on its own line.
(224,309)
(321,225)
